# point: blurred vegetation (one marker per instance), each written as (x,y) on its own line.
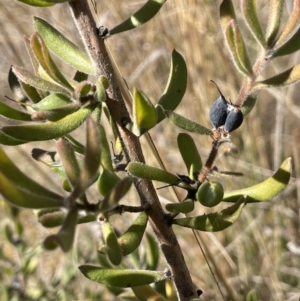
(259,255)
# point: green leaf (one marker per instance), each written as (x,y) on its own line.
(41,3)
(175,88)
(213,222)
(265,190)
(290,46)
(44,59)
(33,59)
(28,78)
(131,238)
(107,181)
(187,124)
(8,140)
(113,249)
(69,160)
(106,161)
(55,217)
(51,101)
(291,25)
(62,47)
(184,207)
(22,197)
(143,15)
(144,113)
(249,103)
(64,238)
(116,194)
(49,130)
(285,78)
(189,153)
(11,113)
(78,147)
(92,158)
(16,176)
(32,93)
(226,13)
(146,293)
(275,15)
(250,15)
(237,48)
(152,255)
(56,114)
(120,277)
(15,87)
(144,171)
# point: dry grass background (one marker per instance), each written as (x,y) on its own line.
(261,251)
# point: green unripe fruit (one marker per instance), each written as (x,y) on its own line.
(210,193)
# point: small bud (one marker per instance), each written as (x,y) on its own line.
(234,120)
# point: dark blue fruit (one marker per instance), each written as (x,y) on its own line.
(234,120)
(218,112)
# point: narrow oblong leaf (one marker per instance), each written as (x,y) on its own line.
(116,194)
(143,15)
(41,52)
(55,218)
(8,140)
(121,277)
(250,14)
(226,13)
(22,197)
(249,104)
(213,222)
(16,176)
(290,46)
(265,190)
(32,93)
(107,181)
(189,153)
(144,114)
(32,80)
(92,157)
(132,237)
(33,59)
(152,256)
(51,101)
(39,3)
(56,114)
(144,171)
(237,48)
(11,113)
(175,88)
(49,130)
(285,78)
(113,249)
(187,124)
(62,47)
(15,87)
(69,161)
(106,161)
(275,15)
(64,238)
(78,147)
(184,207)
(291,25)
(146,293)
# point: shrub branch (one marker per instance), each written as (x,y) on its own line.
(167,240)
